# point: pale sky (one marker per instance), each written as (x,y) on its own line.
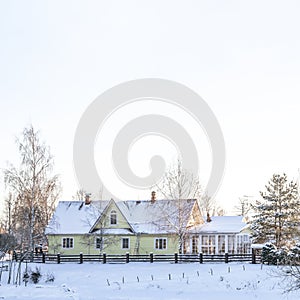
(241,57)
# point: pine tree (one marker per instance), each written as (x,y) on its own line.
(276,218)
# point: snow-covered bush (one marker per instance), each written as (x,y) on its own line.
(268,254)
(26,277)
(35,275)
(273,256)
(293,255)
(281,256)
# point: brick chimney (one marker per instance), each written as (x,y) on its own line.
(208,219)
(153,197)
(87,199)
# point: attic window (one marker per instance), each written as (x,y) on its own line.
(113,217)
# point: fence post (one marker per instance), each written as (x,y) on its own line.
(80,258)
(253,260)
(58,258)
(151,257)
(226,258)
(104,258)
(127,257)
(176,258)
(201,258)
(43,258)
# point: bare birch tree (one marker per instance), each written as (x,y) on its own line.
(79,195)
(98,236)
(180,187)
(34,189)
(209,207)
(243,207)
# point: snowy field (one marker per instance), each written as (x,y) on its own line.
(152,281)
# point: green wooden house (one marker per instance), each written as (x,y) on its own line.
(118,227)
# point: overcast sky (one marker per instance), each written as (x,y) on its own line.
(241,57)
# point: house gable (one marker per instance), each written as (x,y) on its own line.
(111,218)
(195,218)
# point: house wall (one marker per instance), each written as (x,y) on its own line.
(144,244)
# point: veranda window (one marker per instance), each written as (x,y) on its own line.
(221,244)
(208,244)
(195,244)
(243,244)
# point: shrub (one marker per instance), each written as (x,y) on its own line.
(26,277)
(35,275)
(268,254)
(272,256)
(50,278)
(282,256)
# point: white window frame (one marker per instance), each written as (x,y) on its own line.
(161,238)
(243,243)
(113,212)
(208,243)
(195,244)
(125,238)
(67,238)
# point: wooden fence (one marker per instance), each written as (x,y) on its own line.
(151,258)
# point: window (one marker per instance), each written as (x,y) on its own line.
(98,243)
(231,241)
(67,242)
(243,244)
(125,243)
(113,217)
(208,244)
(221,244)
(195,244)
(161,244)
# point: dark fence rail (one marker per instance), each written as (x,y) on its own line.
(126,258)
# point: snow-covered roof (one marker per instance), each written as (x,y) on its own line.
(257,246)
(223,224)
(75,217)
(158,217)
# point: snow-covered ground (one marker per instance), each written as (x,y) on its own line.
(152,281)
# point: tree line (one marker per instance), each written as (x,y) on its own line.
(33,192)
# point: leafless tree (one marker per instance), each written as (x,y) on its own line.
(179,183)
(291,277)
(98,236)
(6,222)
(209,207)
(243,208)
(33,188)
(181,188)
(79,195)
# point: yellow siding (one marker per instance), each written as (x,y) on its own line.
(112,244)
